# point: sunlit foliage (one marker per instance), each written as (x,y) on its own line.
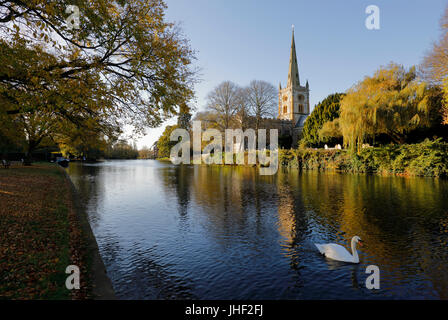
(125,64)
(392,102)
(435,64)
(164,144)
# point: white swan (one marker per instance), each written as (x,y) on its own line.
(337,252)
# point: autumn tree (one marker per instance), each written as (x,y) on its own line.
(125,63)
(12,138)
(36,126)
(121,149)
(435,64)
(331,130)
(144,153)
(89,140)
(47,114)
(142,60)
(208,118)
(392,102)
(184,118)
(164,144)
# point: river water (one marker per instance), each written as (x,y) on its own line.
(226,232)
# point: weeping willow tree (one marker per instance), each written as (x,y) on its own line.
(392,102)
(445,100)
(435,64)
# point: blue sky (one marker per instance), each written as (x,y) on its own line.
(242,40)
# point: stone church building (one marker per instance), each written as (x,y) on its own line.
(293,102)
(294,99)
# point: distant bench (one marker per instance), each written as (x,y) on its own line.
(6,164)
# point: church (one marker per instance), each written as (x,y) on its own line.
(293,102)
(294,99)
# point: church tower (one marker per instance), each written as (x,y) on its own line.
(293,101)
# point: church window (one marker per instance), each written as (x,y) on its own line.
(285,109)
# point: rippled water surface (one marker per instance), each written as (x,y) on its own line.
(203,232)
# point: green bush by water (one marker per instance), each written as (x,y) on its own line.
(428,158)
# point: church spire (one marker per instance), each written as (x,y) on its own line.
(293,74)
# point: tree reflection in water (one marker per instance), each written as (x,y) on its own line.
(225,232)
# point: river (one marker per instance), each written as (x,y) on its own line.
(226,232)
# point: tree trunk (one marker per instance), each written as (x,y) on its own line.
(29,153)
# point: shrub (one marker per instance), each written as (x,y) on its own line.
(428,158)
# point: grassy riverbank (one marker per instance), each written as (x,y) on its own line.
(40,234)
(428,158)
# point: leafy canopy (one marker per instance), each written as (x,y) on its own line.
(392,102)
(125,65)
(164,144)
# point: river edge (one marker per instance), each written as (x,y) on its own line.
(424,159)
(101,285)
(46,231)
(318,170)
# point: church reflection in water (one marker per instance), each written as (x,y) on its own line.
(222,232)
